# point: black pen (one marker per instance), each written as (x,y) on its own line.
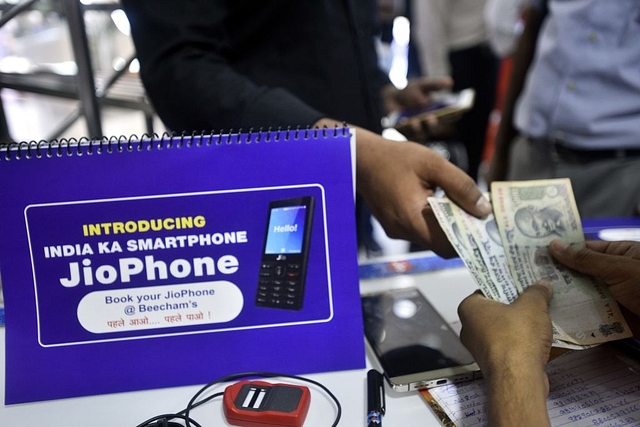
(375,398)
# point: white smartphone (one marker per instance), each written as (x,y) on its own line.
(414,346)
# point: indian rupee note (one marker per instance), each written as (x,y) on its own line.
(484,239)
(530,214)
(474,251)
(443,210)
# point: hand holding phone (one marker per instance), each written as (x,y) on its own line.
(435,118)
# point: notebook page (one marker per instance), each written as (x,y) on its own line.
(595,387)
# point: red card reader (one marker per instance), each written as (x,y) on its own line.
(263,404)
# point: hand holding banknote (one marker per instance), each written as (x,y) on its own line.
(509,250)
(524,336)
(512,356)
(617,264)
(511,340)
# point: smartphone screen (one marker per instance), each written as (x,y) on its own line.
(411,339)
(283,264)
(286,230)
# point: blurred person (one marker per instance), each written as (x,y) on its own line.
(452,40)
(504,25)
(241,65)
(512,357)
(573,104)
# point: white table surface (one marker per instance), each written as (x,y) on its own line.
(444,288)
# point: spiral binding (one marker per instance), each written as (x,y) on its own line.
(118,144)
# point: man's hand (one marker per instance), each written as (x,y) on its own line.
(498,334)
(511,344)
(396,178)
(617,264)
(414,95)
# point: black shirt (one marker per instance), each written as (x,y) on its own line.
(216,64)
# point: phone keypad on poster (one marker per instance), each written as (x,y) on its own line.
(280,285)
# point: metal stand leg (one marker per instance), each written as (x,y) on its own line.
(86,82)
(5,135)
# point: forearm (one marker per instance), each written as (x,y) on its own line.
(367,150)
(396,179)
(517,396)
(512,356)
(371,151)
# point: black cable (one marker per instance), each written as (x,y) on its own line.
(164,420)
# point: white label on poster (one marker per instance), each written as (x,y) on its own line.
(155,307)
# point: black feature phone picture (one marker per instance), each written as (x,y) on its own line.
(283,266)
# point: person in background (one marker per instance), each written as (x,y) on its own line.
(504,25)
(452,40)
(572,108)
(279,64)
(512,356)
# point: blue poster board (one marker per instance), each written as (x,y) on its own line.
(132,265)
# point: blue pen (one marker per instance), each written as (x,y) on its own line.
(375,398)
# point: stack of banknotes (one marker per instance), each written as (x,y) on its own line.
(508,251)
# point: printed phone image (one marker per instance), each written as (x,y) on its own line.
(283,266)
